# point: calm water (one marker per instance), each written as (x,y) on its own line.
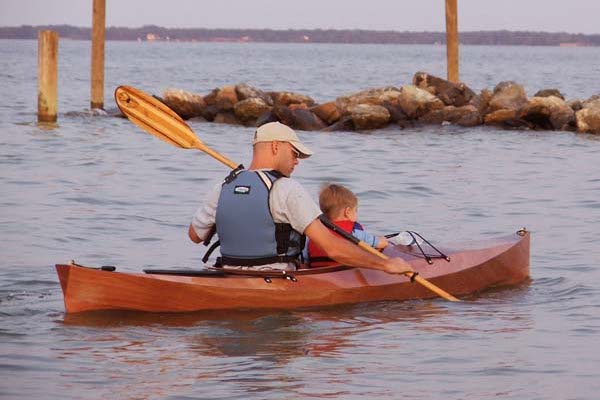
(100,191)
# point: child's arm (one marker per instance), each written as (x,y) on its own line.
(372,240)
(382,243)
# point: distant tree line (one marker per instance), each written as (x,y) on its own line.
(152,32)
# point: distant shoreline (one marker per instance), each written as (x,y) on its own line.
(152,33)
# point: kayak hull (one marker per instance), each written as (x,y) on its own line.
(500,262)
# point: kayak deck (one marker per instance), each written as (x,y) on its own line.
(499,262)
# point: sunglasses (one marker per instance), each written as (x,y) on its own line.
(295,152)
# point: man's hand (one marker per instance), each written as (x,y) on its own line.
(397,266)
(193,236)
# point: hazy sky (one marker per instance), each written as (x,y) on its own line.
(575,16)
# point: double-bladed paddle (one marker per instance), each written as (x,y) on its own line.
(156,118)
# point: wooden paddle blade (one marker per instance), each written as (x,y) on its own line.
(155,117)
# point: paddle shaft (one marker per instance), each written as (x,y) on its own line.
(365,246)
(216,156)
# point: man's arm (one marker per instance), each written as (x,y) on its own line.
(347,253)
(204,219)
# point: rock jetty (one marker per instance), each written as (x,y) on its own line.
(428,100)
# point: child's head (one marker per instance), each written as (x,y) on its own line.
(338,203)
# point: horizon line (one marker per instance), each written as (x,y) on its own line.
(300,29)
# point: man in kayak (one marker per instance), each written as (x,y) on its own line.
(261,215)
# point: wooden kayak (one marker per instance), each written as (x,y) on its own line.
(471,268)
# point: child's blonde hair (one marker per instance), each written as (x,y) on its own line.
(334,198)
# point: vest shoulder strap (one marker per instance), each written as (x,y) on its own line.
(233,174)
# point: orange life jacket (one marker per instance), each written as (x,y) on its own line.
(317,257)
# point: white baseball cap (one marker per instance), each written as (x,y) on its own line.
(276,131)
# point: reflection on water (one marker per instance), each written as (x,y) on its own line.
(242,350)
(252,352)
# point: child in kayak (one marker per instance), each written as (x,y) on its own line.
(340,206)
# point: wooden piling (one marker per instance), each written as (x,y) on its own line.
(452,40)
(47,75)
(98,29)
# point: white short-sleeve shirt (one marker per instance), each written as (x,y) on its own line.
(289,201)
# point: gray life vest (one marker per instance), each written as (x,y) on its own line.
(247,233)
